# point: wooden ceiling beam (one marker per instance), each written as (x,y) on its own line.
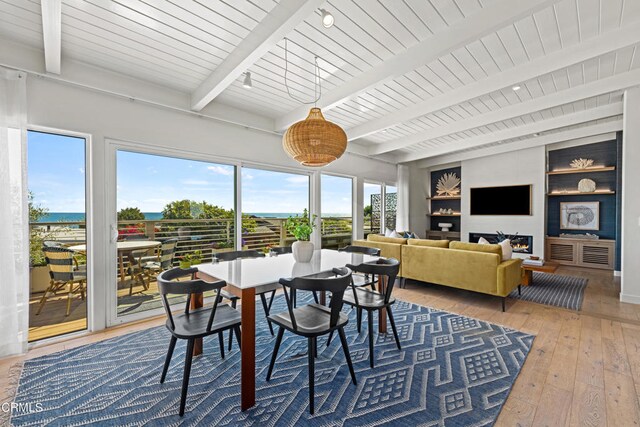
(282,19)
(488,20)
(578,93)
(52,34)
(517,132)
(564,58)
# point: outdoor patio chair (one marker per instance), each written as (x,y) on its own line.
(314,320)
(150,266)
(64,272)
(193,324)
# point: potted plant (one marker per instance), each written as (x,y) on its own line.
(301,228)
(189,260)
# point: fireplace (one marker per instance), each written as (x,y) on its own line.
(520,244)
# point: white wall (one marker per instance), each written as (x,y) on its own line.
(418,206)
(630,288)
(514,168)
(103,116)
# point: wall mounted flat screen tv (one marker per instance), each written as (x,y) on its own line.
(510,200)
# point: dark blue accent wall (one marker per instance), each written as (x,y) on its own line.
(604,154)
(444,204)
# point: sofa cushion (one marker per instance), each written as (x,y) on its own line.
(428,242)
(378,238)
(493,249)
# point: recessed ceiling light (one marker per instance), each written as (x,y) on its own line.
(516,87)
(247,84)
(536,134)
(327,18)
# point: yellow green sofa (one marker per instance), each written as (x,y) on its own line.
(469,266)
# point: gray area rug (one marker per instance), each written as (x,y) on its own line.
(555,290)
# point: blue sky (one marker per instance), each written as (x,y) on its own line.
(56,171)
(56,177)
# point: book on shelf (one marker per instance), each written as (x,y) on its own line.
(533,262)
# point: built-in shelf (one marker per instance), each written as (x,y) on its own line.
(444,198)
(437,214)
(577,193)
(587,170)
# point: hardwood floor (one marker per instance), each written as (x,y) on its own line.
(583,368)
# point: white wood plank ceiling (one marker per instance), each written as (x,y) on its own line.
(407,79)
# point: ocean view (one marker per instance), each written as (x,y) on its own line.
(79,216)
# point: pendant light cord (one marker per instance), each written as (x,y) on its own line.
(317,84)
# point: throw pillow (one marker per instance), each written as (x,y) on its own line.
(388,232)
(483,241)
(507,251)
(396,235)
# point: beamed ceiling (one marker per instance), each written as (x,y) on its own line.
(409,80)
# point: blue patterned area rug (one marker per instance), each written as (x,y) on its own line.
(555,290)
(452,371)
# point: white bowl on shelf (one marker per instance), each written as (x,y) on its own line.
(445,226)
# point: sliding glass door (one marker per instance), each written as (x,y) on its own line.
(372,208)
(337,215)
(57,235)
(169,210)
(268,199)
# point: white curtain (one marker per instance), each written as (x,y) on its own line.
(14,234)
(402,212)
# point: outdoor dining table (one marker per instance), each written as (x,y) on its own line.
(126,248)
(247,276)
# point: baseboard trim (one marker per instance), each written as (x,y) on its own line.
(632,299)
(617,273)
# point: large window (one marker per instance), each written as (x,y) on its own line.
(372,208)
(336,206)
(268,198)
(57,228)
(169,209)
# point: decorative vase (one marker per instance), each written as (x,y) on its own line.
(445,226)
(302,251)
(586,186)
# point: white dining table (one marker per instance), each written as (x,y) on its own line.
(247,276)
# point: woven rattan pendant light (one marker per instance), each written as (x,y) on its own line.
(313,141)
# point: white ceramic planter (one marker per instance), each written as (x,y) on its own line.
(302,251)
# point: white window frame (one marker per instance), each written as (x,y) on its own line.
(93,306)
(112,146)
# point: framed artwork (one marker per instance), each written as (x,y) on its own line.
(580,215)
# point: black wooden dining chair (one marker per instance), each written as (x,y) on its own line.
(362,298)
(314,320)
(360,279)
(281,250)
(251,253)
(193,324)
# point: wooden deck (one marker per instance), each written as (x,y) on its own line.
(583,368)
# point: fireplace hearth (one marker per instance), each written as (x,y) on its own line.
(520,244)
